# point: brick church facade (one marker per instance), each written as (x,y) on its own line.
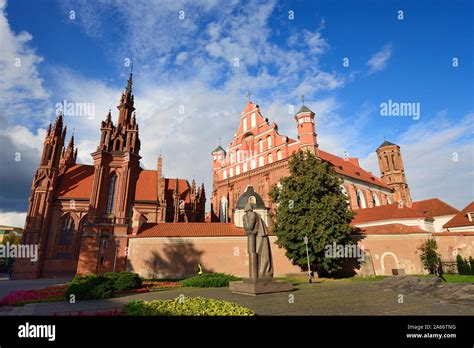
(258,156)
(82,216)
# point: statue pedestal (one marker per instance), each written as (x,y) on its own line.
(259,286)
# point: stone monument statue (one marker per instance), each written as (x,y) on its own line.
(260,254)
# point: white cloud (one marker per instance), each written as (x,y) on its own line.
(380,59)
(21,87)
(12,219)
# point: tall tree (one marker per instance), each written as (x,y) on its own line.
(310,203)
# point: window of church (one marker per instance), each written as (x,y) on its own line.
(270,158)
(237,170)
(361,200)
(253,163)
(260,145)
(245,124)
(269,141)
(67,231)
(245,167)
(225,174)
(111,196)
(261,161)
(231,172)
(375,200)
(389,201)
(253,120)
(231,158)
(279,155)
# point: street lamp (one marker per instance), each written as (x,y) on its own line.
(307,257)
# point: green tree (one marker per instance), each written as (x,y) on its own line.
(429,255)
(310,203)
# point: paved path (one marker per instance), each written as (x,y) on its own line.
(357,298)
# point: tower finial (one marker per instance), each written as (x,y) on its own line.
(248,95)
(302,99)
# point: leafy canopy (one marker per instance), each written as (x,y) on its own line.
(310,203)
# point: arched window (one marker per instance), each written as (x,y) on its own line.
(270,158)
(344,192)
(253,120)
(245,124)
(245,167)
(279,155)
(237,170)
(260,145)
(231,172)
(111,196)
(253,163)
(361,200)
(389,201)
(66,233)
(375,200)
(261,161)
(238,155)
(231,158)
(225,174)
(269,141)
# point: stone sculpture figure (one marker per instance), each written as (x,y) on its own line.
(260,255)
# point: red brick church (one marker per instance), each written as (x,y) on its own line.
(82,216)
(258,156)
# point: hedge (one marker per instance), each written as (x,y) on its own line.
(211,280)
(186,306)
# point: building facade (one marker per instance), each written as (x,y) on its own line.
(82,216)
(258,156)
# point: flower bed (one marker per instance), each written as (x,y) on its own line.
(111,313)
(148,286)
(22,297)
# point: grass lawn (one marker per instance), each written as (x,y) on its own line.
(303,279)
(452,278)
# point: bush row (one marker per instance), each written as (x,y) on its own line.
(91,286)
(209,280)
(186,306)
(465,266)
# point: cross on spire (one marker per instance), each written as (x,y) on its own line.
(302,99)
(248,95)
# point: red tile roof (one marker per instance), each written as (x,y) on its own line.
(349,169)
(77,182)
(391,229)
(421,209)
(190,229)
(434,207)
(461,219)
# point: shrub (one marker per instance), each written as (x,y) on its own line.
(429,255)
(90,287)
(211,280)
(471,263)
(464,266)
(124,280)
(191,306)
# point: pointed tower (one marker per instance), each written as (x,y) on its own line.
(40,204)
(116,171)
(68,156)
(306,130)
(392,172)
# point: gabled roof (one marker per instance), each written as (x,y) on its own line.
(434,207)
(349,169)
(190,229)
(461,219)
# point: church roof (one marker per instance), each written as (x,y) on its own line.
(304,108)
(77,181)
(428,208)
(387,143)
(461,219)
(218,149)
(244,199)
(349,169)
(395,228)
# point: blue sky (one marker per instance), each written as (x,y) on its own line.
(190,62)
